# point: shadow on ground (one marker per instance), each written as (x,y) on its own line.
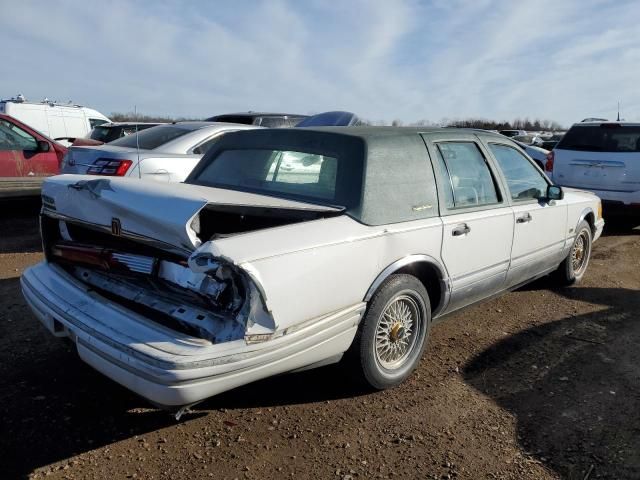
(620,226)
(19,225)
(567,383)
(43,383)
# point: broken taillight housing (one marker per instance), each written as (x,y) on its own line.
(104,259)
(107,166)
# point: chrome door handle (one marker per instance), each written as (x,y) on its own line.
(524,218)
(460,230)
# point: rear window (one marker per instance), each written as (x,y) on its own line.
(602,138)
(287,173)
(100,133)
(152,137)
(278,122)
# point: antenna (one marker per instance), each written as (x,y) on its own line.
(135,115)
(618,111)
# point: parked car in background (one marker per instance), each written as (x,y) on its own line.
(550,142)
(249,270)
(538,154)
(331,119)
(603,158)
(62,122)
(27,157)
(529,139)
(166,153)
(513,133)
(262,119)
(108,132)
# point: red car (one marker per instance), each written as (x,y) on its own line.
(26,158)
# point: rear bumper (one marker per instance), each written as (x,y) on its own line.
(623,199)
(620,209)
(164,366)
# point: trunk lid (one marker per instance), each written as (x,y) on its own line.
(79,159)
(160,212)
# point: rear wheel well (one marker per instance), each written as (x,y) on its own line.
(430,277)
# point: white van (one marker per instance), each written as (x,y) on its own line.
(57,121)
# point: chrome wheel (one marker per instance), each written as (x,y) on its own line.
(397,331)
(580,252)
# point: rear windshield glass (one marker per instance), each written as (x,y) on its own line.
(278,122)
(602,138)
(103,134)
(152,137)
(286,173)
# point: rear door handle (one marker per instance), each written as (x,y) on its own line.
(524,218)
(460,230)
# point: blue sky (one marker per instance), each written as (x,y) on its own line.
(389,59)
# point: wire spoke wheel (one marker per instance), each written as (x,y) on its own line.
(580,252)
(398,329)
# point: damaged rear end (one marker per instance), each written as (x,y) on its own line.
(170,282)
(161,286)
(132,276)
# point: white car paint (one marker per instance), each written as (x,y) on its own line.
(57,121)
(613,176)
(309,282)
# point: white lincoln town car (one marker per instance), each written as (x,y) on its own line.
(292,249)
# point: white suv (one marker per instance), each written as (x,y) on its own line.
(602,157)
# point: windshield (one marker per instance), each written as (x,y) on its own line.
(608,137)
(291,174)
(152,138)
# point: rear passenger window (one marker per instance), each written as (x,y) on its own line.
(470,181)
(203,147)
(524,180)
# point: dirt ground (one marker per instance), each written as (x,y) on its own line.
(542,383)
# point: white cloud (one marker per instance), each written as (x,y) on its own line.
(384,60)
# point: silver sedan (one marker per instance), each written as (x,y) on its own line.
(166,153)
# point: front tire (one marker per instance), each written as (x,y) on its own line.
(393,333)
(573,268)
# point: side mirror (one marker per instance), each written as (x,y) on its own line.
(43,146)
(554,192)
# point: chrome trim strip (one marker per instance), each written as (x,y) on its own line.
(583,215)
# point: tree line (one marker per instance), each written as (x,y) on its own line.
(483,123)
(486,124)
